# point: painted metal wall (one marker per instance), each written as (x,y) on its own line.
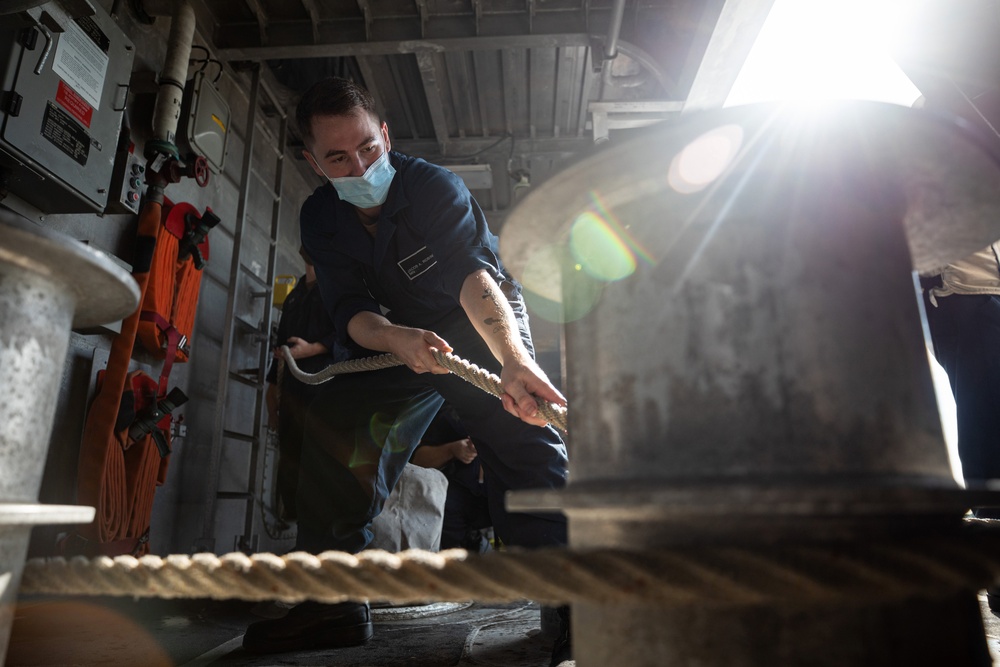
(177,517)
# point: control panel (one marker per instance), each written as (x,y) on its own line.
(128,184)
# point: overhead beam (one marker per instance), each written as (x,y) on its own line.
(624,115)
(368,73)
(735,32)
(395,47)
(484,148)
(313,11)
(403,99)
(487,147)
(261,16)
(433,93)
(366,11)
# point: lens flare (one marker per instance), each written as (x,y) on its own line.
(384,433)
(556,287)
(706,158)
(599,250)
(363,456)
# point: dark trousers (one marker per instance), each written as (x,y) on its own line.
(966,334)
(292,410)
(466,507)
(362,429)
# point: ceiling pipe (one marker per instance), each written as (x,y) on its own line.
(614,29)
(173,76)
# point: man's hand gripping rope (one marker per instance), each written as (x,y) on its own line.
(552,412)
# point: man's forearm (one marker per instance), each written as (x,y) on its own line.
(431,456)
(521,378)
(414,346)
(490,313)
(372,331)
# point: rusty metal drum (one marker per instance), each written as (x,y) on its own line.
(746,357)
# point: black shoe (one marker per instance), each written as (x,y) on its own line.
(562,650)
(312,625)
(993,599)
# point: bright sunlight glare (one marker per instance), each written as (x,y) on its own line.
(825,49)
(814,50)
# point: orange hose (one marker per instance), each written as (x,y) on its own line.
(186,301)
(102,465)
(131,474)
(159,296)
(117,476)
(173,292)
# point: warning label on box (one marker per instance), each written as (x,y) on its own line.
(89,26)
(74,104)
(61,130)
(81,61)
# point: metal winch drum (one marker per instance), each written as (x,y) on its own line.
(49,283)
(747,369)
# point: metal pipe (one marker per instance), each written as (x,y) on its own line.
(173,76)
(48,283)
(614,29)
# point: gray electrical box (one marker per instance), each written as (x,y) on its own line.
(64,82)
(205,125)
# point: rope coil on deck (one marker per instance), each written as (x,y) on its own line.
(471,373)
(692,575)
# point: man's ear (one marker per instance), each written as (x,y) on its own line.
(385,136)
(312,163)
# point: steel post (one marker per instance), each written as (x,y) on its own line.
(48,283)
(747,366)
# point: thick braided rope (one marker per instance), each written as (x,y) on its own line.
(471,373)
(375,363)
(695,575)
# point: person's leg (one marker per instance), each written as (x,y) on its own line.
(466,511)
(292,415)
(966,334)
(359,434)
(515,455)
(462,514)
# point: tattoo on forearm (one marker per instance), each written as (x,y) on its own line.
(498,323)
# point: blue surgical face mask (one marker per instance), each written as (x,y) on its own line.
(369,190)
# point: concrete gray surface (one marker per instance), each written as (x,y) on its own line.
(197,633)
(200,633)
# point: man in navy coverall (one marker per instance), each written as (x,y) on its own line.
(406,264)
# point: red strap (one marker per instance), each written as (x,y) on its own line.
(173,340)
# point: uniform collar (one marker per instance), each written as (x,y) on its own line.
(397,198)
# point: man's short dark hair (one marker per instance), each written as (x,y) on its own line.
(332,96)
